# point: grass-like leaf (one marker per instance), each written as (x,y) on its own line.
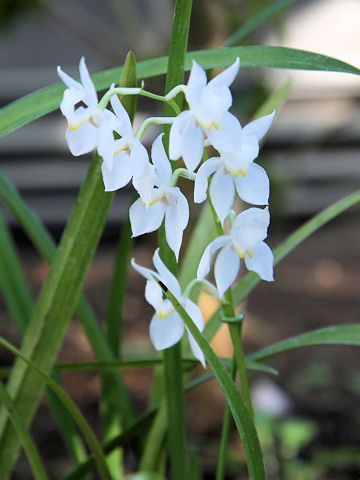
(41,102)
(78,417)
(335,335)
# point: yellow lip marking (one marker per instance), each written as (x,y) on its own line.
(242,255)
(126,148)
(165,314)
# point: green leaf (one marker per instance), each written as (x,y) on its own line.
(12,280)
(56,305)
(337,335)
(41,102)
(256,21)
(72,409)
(26,441)
(239,410)
(249,282)
(146,476)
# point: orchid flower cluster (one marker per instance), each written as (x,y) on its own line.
(206,123)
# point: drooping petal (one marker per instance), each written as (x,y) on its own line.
(226,77)
(176,134)
(120,174)
(222,193)
(195,313)
(205,262)
(255,187)
(226,268)
(201,180)
(168,279)
(193,145)
(83,140)
(197,82)
(90,92)
(161,162)
(261,262)
(145,219)
(176,220)
(260,126)
(166,332)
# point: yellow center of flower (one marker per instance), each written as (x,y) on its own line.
(242,254)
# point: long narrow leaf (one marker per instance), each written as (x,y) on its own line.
(55,306)
(38,104)
(78,417)
(336,335)
(255,21)
(29,446)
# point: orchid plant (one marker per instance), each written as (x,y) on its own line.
(205,144)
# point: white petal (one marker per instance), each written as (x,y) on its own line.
(161,162)
(193,145)
(196,316)
(197,82)
(214,102)
(69,82)
(166,332)
(120,174)
(260,126)
(222,193)
(261,262)
(144,184)
(90,92)
(249,229)
(229,135)
(168,279)
(154,294)
(201,180)
(70,99)
(176,134)
(226,77)
(176,220)
(139,159)
(124,127)
(255,187)
(145,272)
(143,219)
(226,269)
(210,250)
(83,140)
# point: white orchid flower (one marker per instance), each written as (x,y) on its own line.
(166,201)
(234,169)
(244,241)
(124,158)
(207,104)
(167,326)
(86,125)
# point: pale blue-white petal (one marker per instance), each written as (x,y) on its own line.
(255,187)
(261,262)
(229,134)
(145,219)
(120,174)
(145,272)
(193,145)
(222,193)
(124,127)
(161,161)
(139,159)
(176,220)
(260,126)
(176,134)
(83,140)
(166,332)
(69,81)
(168,279)
(201,180)
(70,99)
(226,268)
(90,92)
(196,316)
(197,82)
(145,183)
(205,262)
(249,228)
(154,294)
(226,77)
(214,102)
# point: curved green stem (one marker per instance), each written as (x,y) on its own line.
(152,121)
